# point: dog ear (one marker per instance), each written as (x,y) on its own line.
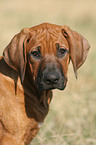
(78,47)
(15,53)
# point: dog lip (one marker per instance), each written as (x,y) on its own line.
(52,88)
(43,87)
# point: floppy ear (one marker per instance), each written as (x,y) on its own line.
(15,53)
(78,47)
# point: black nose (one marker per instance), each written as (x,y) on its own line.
(51,78)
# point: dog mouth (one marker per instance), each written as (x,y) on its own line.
(43,85)
(53,88)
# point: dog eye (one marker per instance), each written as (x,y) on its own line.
(35,53)
(61,51)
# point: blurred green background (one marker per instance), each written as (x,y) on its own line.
(72,116)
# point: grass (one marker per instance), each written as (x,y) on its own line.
(72,116)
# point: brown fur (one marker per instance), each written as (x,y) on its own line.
(22,106)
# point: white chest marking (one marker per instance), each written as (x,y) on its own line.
(40,124)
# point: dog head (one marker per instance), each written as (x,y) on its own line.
(45,52)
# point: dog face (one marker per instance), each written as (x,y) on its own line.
(46,50)
(48,56)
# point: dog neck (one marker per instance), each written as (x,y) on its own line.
(36,103)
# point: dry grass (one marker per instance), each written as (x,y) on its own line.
(72,116)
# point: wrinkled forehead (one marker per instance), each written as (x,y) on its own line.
(47,38)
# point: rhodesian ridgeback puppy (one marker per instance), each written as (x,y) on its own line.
(35,62)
